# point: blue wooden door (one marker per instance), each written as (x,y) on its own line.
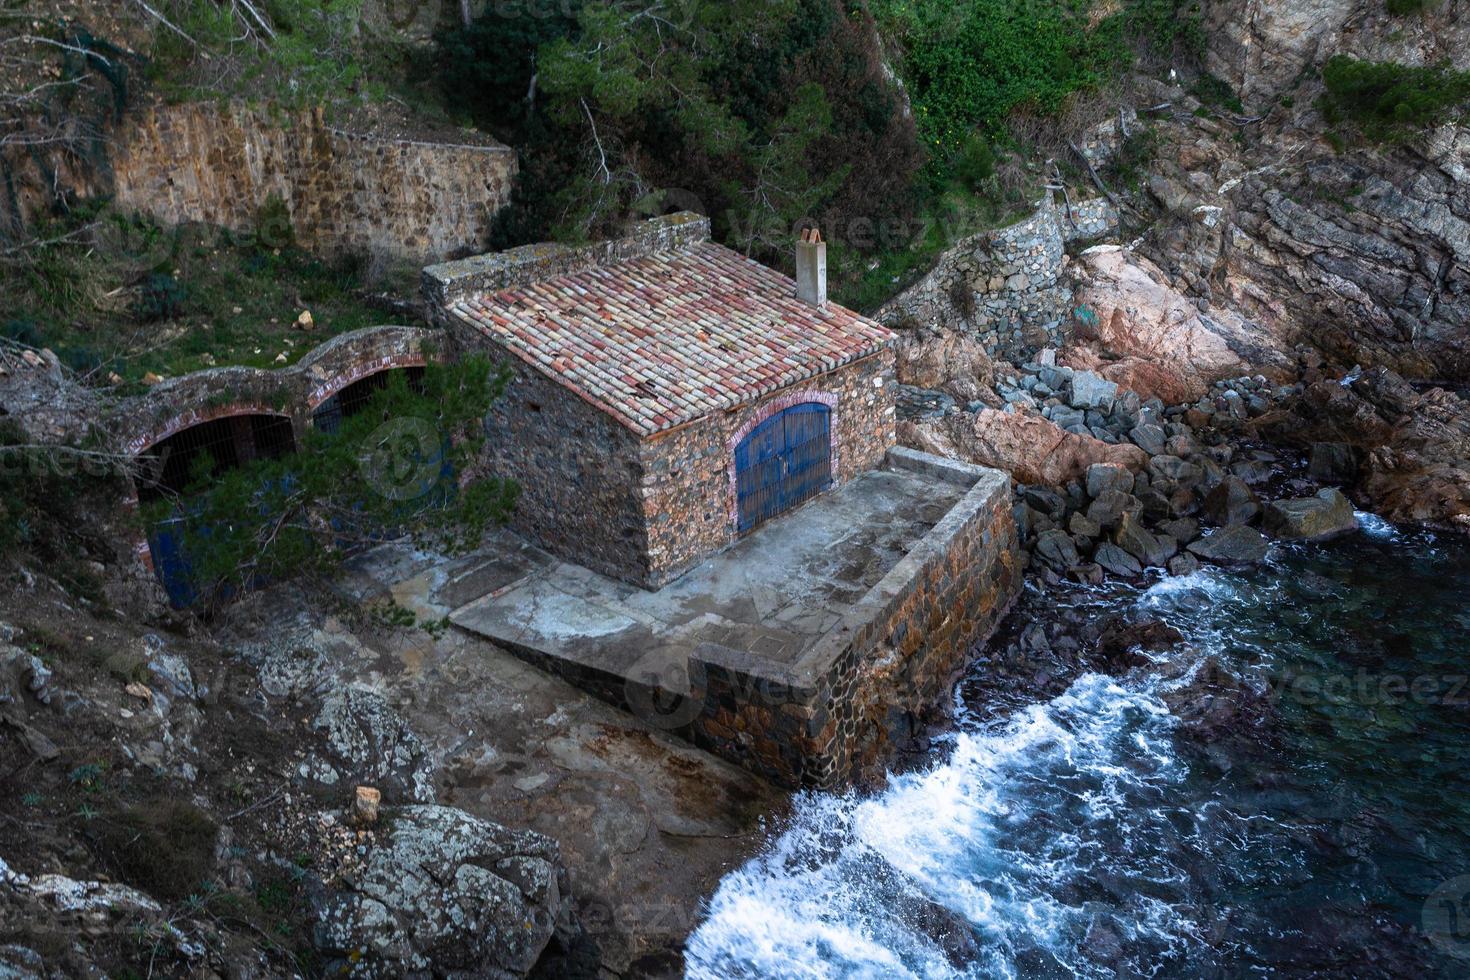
(783,461)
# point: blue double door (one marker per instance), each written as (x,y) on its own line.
(783,461)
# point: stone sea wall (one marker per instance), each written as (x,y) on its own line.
(841,711)
(1007,286)
(344,191)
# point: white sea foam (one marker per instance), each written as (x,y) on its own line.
(1008,833)
(1376,527)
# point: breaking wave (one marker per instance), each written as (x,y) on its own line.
(1041,845)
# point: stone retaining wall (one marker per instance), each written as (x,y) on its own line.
(133,425)
(1087,221)
(837,715)
(345,191)
(139,422)
(1006,286)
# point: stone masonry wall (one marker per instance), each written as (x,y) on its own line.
(345,191)
(137,423)
(130,426)
(579,472)
(876,680)
(687,491)
(1007,286)
(1090,220)
(837,716)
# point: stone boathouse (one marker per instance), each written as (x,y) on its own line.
(716,530)
(669,394)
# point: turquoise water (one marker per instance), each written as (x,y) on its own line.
(1099,834)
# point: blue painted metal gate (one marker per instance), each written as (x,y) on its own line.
(783,461)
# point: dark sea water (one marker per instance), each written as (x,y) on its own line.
(1092,835)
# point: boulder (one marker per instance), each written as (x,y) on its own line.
(1141,543)
(1326,515)
(948,361)
(1181,528)
(1083,526)
(438,892)
(1090,390)
(1115,560)
(1231,502)
(1149,379)
(1110,507)
(1233,545)
(1149,437)
(1174,471)
(369,743)
(1183,564)
(1102,477)
(1057,549)
(1031,448)
(1160,342)
(1046,500)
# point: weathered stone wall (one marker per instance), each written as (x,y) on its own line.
(1088,220)
(687,490)
(1006,286)
(344,191)
(52,407)
(579,472)
(838,714)
(135,424)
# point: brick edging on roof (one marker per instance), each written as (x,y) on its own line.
(449,282)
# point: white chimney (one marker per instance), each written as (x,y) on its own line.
(811,269)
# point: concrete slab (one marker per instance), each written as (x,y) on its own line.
(772,595)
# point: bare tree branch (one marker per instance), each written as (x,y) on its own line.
(167,23)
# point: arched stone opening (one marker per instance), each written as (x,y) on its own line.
(168,466)
(328,414)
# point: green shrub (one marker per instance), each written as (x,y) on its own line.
(764,112)
(1215,91)
(46,495)
(161,297)
(165,846)
(1404,8)
(974,164)
(971,64)
(389,469)
(22,331)
(1390,101)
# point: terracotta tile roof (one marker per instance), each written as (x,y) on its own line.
(660,340)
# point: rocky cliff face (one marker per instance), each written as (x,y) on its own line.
(1264,47)
(1267,242)
(1361,250)
(1369,251)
